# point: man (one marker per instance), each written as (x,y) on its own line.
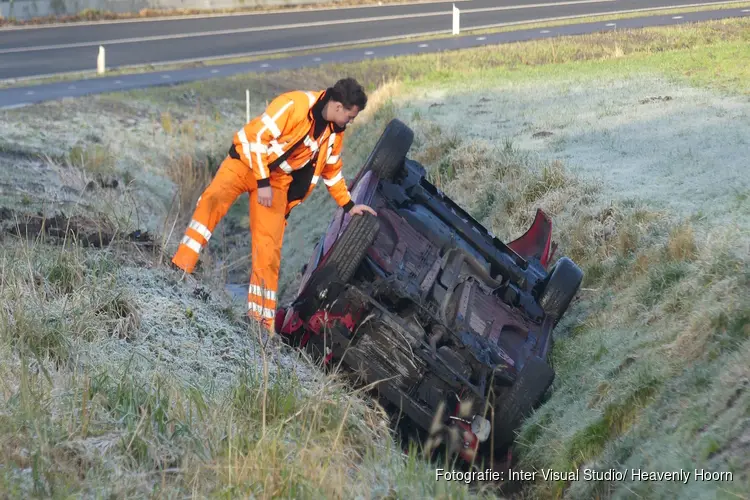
(278,158)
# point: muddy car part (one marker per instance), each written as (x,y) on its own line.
(427,306)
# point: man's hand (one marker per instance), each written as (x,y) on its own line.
(265,196)
(361,209)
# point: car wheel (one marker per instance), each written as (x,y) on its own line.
(562,284)
(346,254)
(527,392)
(389,153)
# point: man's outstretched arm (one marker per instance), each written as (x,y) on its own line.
(334,180)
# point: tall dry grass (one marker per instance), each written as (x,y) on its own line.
(191,177)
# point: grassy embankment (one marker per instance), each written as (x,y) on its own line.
(116,380)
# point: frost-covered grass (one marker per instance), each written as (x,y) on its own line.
(116,379)
(646,182)
(679,148)
(643,174)
(649,360)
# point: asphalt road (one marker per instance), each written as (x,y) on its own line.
(20,96)
(36,51)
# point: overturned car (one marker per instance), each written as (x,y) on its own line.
(422,303)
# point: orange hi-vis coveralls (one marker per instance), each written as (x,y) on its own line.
(289,147)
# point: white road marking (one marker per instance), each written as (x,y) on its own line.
(610,24)
(422,45)
(214,71)
(544,31)
(369,52)
(745,10)
(264,65)
(480,38)
(30,92)
(317,59)
(677,17)
(178,36)
(118,82)
(165,76)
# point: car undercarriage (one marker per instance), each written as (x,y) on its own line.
(449,326)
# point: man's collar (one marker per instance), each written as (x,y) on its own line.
(316,110)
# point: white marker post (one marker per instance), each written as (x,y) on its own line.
(100,65)
(456,21)
(247,105)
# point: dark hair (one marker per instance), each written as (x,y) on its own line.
(348,92)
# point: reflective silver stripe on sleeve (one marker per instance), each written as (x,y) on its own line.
(331,182)
(271,125)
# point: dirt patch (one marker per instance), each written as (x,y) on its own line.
(10,153)
(103,181)
(542,134)
(656,99)
(56,228)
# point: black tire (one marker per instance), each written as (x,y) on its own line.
(389,153)
(561,286)
(527,392)
(347,253)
